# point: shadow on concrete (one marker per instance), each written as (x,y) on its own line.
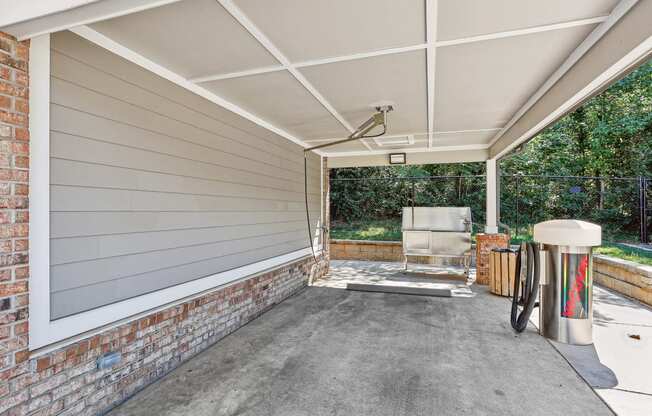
(585,360)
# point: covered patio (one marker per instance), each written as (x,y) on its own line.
(173,216)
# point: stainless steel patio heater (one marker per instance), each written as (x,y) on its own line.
(559,263)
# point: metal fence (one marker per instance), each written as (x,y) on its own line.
(620,205)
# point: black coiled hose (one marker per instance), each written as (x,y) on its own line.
(528,299)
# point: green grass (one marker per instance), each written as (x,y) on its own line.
(625,253)
(378,230)
(608,249)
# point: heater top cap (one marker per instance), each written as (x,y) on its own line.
(568,233)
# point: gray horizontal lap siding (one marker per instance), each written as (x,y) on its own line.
(151,187)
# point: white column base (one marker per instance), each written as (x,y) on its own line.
(491,229)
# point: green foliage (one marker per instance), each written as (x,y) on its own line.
(625,253)
(610,136)
(377,230)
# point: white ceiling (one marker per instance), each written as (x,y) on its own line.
(313,68)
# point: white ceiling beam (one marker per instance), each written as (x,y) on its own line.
(84,13)
(420,133)
(414,150)
(521,32)
(618,12)
(128,54)
(465,131)
(431,56)
(314,62)
(361,55)
(244,20)
(450,156)
(238,74)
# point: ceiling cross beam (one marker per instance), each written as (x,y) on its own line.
(109,44)
(244,20)
(430,43)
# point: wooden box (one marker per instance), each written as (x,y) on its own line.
(502,271)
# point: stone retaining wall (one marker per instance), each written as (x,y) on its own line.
(381,251)
(626,277)
(366,250)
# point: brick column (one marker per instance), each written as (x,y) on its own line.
(484,244)
(14,214)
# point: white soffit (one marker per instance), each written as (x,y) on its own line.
(310,29)
(465,18)
(192,38)
(351,86)
(282,100)
(14,11)
(481,85)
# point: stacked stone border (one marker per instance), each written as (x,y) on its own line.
(368,250)
(623,276)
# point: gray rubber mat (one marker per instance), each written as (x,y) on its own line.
(400,289)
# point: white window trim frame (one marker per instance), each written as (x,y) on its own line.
(45,334)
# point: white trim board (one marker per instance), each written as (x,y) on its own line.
(39,191)
(418,150)
(83,14)
(68,329)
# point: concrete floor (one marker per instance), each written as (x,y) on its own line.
(615,320)
(330,351)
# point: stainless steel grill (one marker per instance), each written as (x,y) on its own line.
(437,232)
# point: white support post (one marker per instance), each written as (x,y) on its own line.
(492,197)
(39,190)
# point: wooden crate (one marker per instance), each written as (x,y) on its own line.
(502,270)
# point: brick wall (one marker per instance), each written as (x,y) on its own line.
(66,381)
(484,243)
(14,177)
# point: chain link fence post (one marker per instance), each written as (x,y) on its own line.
(642,207)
